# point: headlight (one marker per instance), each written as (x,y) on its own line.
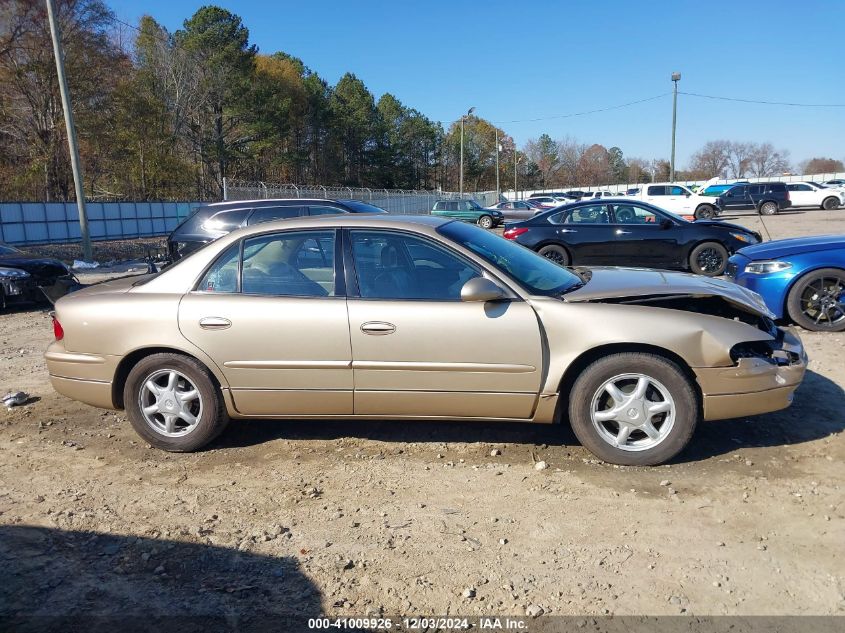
(764,268)
(744,237)
(13,273)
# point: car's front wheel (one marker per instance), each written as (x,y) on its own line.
(705,212)
(817,301)
(555,253)
(633,409)
(769,208)
(172,402)
(709,258)
(485,222)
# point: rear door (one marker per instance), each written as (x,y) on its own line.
(735,198)
(802,195)
(272,316)
(587,233)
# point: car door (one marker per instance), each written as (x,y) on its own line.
(418,350)
(270,314)
(802,195)
(645,237)
(587,233)
(735,199)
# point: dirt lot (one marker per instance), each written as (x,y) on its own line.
(419,518)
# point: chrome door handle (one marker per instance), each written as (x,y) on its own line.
(378,328)
(622,232)
(567,231)
(214,323)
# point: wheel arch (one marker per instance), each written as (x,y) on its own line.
(132,358)
(577,366)
(701,241)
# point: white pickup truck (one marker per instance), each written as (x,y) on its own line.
(678,199)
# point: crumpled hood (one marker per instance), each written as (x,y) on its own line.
(34,265)
(618,283)
(793,246)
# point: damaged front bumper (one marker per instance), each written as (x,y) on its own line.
(29,290)
(764,378)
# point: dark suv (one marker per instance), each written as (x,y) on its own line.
(211,221)
(767,198)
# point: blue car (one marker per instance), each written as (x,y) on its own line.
(801,278)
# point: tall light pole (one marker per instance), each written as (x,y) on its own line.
(676,77)
(71,131)
(469,113)
(498,147)
(515,161)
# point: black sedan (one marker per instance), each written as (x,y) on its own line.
(621,232)
(28,278)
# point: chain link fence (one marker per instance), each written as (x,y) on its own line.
(398,201)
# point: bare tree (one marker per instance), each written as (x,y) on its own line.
(765,160)
(822,166)
(570,152)
(712,159)
(739,158)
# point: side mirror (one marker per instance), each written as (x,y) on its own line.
(666,224)
(482,289)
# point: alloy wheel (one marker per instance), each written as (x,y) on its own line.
(170,403)
(710,260)
(633,412)
(823,301)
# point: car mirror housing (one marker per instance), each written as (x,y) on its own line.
(666,224)
(482,289)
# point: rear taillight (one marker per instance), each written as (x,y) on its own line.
(58,331)
(512,234)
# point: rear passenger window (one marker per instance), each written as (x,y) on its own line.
(225,220)
(223,274)
(266,214)
(320,210)
(289,264)
(656,191)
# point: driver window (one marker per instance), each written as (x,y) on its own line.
(630,214)
(676,191)
(398,266)
(290,264)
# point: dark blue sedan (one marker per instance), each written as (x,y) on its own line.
(801,278)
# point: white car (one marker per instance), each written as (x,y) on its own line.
(679,199)
(599,194)
(806,194)
(549,202)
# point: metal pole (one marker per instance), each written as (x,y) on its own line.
(497,165)
(515,197)
(461,190)
(225,189)
(71,132)
(675,78)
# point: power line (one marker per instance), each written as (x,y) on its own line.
(781,103)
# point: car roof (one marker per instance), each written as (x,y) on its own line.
(265,202)
(345,220)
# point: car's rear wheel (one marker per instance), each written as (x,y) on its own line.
(555,253)
(485,222)
(634,409)
(172,402)
(769,208)
(705,212)
(830,203)
(817,301)
(709,258)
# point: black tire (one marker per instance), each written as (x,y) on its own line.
(769,208)
(212,418)
(556,253)
(705,212)
(708,258)
(830,203)
(587,392)
(806,302)
(485,222)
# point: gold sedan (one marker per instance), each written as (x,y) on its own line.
(419,318)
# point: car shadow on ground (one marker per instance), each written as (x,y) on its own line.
(810,418)
(67,580)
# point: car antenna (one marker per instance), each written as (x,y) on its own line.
(765,228)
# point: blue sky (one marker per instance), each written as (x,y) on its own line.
(531,60)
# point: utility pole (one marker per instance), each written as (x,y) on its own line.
(515,161)
(469,112)
(676,77)
(71,131)
(497,164)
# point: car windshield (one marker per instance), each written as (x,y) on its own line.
(7,250)
(533,272)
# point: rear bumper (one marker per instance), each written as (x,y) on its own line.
(754,385)
(84,377)
(95,393)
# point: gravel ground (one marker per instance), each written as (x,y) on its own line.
(356,518)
